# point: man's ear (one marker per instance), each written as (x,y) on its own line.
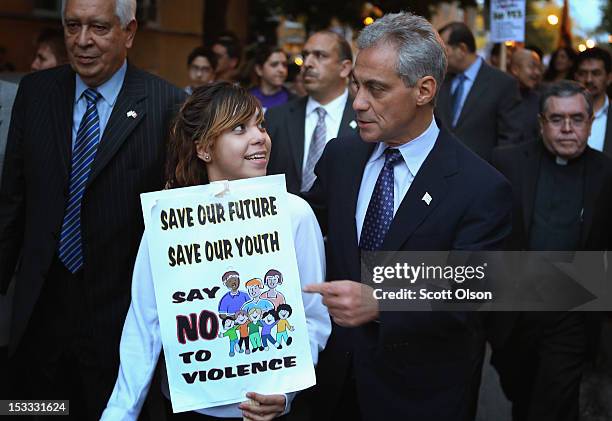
(426,90)
(130,29)
(258,70)
(346,66)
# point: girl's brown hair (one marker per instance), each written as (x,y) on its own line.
(208,112)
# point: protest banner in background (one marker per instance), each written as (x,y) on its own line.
(507,20)
(228,291)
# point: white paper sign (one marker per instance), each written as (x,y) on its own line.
(228,291)
(507,20)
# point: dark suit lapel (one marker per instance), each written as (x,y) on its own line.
(294,126)
(356,161)
(120,125)
(431,179)
(478,89)
(529,169)
(348,125)
(62,106)
(592,184)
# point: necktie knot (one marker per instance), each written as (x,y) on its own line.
(92,96)
(392,157)
(321,113)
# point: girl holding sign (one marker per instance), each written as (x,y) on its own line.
(218,135)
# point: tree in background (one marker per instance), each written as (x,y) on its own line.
(606,19)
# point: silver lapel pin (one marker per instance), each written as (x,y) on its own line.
(427,198)
(353,124)
(132,114)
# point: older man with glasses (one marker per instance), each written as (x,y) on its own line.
(562,201)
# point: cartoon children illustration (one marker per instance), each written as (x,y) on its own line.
(270,319)
(233,300)
(254,334)
(255,288)
(231,331)
(242,321)
(284,311)
(272,279)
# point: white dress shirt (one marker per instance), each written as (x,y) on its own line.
(333,118)
(413,153)
(470,76)
(141,338)
(598,129)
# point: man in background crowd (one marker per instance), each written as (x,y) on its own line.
(526,67)
(228,51)
(301,128)
(594,73)
(201,64)
(477,102)
(50,50)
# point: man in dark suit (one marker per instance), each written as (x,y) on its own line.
(402,184)
(594,73)
(477,102)
(526,67)
(85,140)
(562,200)
(300,128)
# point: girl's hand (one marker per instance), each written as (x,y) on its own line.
(270,407)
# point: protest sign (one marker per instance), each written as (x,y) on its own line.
(228,291)
(507,20)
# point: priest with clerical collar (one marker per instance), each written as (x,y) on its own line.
(562,201)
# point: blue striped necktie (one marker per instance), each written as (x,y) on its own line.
(456,98)
(380,209)
(83,154)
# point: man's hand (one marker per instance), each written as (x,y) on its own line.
(350,303)
(270,407)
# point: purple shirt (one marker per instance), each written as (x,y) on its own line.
(269,101)
(232,303)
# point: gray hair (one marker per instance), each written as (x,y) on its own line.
(565,89)
(124,9)
(420,49)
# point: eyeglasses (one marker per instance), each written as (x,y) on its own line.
(577,121)
(200,69)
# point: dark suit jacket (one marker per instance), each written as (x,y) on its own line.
(521,164)
(285,125)
(411,365)
(608,140)
(489,115)
(34,192)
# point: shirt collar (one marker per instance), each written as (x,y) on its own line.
(472,71)
(109,89)
(414,152)
(603,109)
(333,108)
